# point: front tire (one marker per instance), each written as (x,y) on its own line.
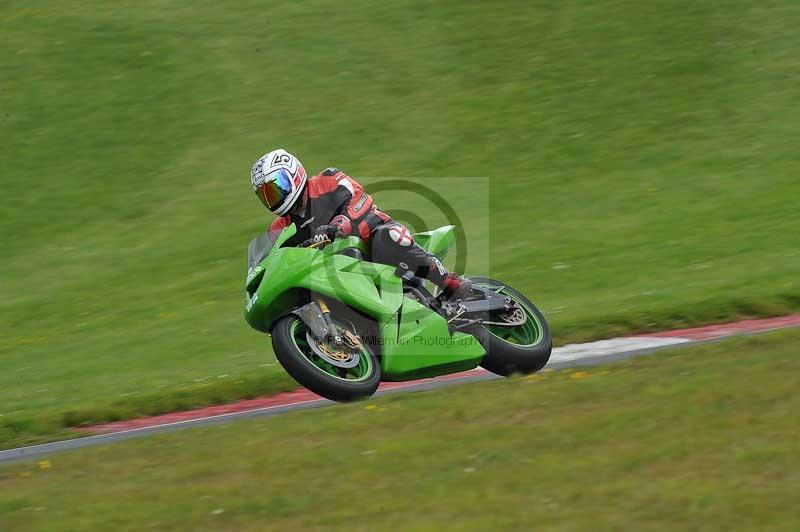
(298,359)
(522,349)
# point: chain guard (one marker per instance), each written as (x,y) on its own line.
(513,318)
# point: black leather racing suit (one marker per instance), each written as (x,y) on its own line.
(334,198)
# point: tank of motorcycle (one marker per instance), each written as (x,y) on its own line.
(414,342)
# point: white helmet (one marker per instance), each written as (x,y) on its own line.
(278,180)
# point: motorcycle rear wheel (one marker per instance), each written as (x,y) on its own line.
(522,349)
(290,342)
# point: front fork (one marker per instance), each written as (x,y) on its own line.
(333,331)
(317,317)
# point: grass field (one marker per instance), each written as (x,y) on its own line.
(701,438)
(642,155)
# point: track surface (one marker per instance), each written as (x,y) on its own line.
(570,355)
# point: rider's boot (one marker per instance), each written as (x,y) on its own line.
(456,287)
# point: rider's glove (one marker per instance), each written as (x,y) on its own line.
(342,223)
(326,233)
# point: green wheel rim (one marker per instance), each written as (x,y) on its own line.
(528,334)
(363,371)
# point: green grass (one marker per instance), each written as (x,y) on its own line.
(701,438)
(642,156)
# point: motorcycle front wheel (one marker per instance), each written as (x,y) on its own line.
(521,349)
(322,371)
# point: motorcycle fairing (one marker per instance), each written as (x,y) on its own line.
(415,341)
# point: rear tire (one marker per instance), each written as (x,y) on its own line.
(504,357)
(297,363)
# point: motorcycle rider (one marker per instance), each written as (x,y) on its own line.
(334,205)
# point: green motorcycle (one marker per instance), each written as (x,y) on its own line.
(341,324)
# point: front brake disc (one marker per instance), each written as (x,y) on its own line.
(335,356)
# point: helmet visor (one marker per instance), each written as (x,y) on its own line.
(274,191)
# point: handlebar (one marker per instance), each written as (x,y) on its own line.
(315,245)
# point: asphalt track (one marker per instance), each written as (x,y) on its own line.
(591,353)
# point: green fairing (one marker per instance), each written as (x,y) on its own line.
(421,346)
(414,341)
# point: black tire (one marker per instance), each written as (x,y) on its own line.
(505,358)
(314,378)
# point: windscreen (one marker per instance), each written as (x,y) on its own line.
(258,248)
